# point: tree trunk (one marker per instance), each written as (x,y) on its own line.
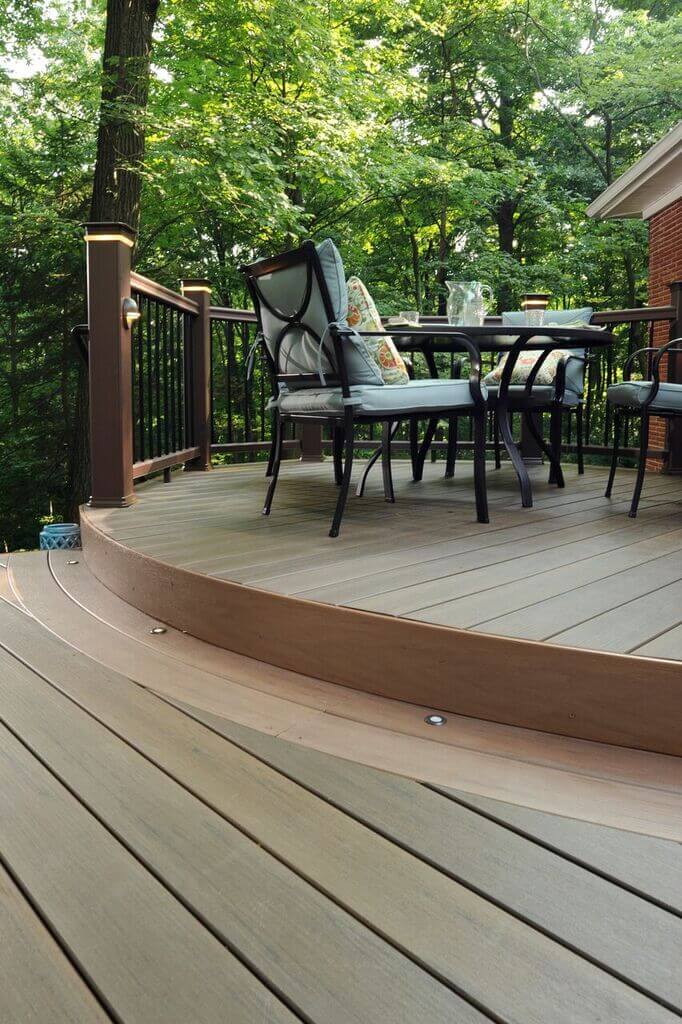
(504,214)
(125,85)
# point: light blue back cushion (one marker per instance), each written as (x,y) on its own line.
(299,353)
(575,368)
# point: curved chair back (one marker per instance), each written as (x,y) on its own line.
(301,301)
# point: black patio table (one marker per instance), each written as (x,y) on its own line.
(430,338)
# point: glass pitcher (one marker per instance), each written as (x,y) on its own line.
(467,302)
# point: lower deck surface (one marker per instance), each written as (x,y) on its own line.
(162,863)
(573,570)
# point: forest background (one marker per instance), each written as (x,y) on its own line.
(429,139)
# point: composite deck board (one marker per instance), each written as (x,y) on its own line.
(331,555)
(647,865)
(409,599)
(582,910)
(141,661)
(38,983)
(614,589)
(624,787)
(298,579)
(629,625)
(525,574)
(148,957)
(667,645)
(529,551)
(502,607)
(502,964)
(326,964)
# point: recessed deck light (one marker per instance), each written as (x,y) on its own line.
(435,719)
(157,629)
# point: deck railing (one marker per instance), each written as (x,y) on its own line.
(169,383)
(162,372)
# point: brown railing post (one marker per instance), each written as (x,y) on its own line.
(531,451)
(675,377)
(200,290)
(310,436)
(109,248)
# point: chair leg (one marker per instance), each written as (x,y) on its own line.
(349,434)
(556,475)
(414,444)
(422,452)
(617,422)
(479,469)
(376,455)
(273,445)
(641,468)
(496,440)
(437,437)
(579,437)
(276,456)
(337,448)
(451,458)
(387,434)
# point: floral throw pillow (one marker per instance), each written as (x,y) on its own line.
(364,316)
(525,363)
(527,360)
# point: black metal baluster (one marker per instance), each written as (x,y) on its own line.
(157,376)
(229,335)
(261,385)
(171,376)
(211,379)
(150,383)
(166,425)
(189,384)
(247,386)
(179,354)
(139,349)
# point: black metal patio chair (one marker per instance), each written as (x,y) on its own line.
(324,373)
(643,398)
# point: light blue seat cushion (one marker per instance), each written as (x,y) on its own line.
(541,395)
(426,395)
(284,289)
(634,393)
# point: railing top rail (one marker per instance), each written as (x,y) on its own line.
(152,290)
(625,316)
(602,316)
(235,315)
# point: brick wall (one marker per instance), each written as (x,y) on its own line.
(665,265)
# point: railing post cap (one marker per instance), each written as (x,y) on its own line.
(109,231)
(195,284)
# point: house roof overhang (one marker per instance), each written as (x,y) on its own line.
(650,185)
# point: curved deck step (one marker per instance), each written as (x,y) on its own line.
(625,788)
(403,604)
(186,872)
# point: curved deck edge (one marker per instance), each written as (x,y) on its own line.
(610,698)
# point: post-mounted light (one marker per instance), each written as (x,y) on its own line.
(131,313)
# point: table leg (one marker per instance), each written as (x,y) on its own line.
(376,455)
(515,455)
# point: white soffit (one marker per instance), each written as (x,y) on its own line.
(650,185)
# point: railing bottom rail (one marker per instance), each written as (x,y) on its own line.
(148,466)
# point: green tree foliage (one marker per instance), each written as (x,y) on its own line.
(430,139)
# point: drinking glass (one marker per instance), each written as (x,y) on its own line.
(535,317)
(411,315)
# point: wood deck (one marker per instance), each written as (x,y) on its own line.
(161,862)
(564,618)
(573,571)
